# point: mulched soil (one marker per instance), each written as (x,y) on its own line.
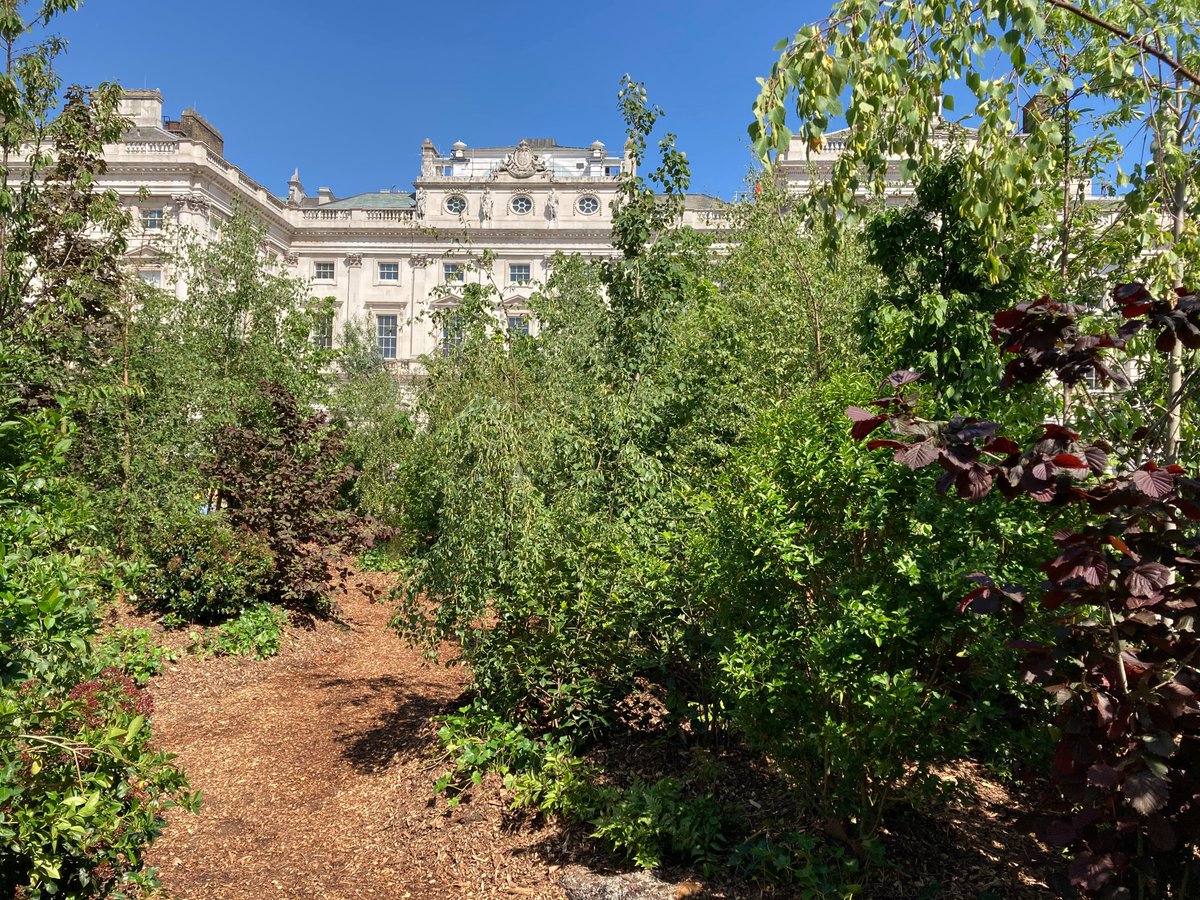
(316,770)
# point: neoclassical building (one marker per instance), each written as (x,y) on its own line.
(389,257)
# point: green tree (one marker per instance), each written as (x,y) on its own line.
(1110,85)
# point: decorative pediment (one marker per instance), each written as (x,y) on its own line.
(515,302)
(446,301)
(523,162)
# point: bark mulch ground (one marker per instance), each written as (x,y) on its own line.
(317,766)
(316,770)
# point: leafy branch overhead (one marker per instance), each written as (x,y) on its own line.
(1099,82)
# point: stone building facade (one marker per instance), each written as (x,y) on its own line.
(385,257)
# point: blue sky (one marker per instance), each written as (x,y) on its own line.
(348,91)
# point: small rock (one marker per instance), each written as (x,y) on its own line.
(579,883)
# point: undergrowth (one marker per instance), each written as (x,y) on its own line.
(257,631)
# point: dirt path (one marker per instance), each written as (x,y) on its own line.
(315,768)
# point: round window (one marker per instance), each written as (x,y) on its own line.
(456,205)
(588,205)
(521,205)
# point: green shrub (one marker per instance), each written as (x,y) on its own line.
(202,569)
(256,631)
(82,792)
(136,652)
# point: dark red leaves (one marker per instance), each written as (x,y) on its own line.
(1133,299)
(898,379)
(1147,579)
(1146,792)
(864,421)
(918,455)
(1091,872)
(1155,483)
(1124,588)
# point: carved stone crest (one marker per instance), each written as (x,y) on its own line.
(198,202)
(523,162)
(292,259)
(354,260)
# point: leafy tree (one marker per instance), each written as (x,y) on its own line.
(61,241)
(189,365)
(1109,85)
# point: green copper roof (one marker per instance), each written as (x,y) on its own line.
(374,200)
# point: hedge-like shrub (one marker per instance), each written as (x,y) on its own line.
(203,569)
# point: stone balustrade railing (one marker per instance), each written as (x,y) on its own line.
(152,146)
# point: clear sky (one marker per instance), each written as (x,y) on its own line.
(347,91)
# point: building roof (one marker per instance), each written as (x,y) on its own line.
(703,201)
(146,133)
(374,200)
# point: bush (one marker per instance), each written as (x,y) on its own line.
(82,792)
(279,476)
(257,631)
(202,569)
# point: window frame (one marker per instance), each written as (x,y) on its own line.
(512,279)
(381,336)
(392,267)
(455,212)
(512,204)
(452,332)
(459,270)
(586,197)
(158,279)
(523,320)
(322,332)
(317,276)
(153,215)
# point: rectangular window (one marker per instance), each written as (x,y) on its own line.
(518,273)
(452,333)
(322,334)
(452,273)
(152,277)
(323,271)
(612,171)
(447,170)
(387,330)
(518,324)
(152,219)
(389,271)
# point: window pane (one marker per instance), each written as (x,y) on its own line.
(389,271)
(152,218)
(324,271)
(323,332)
(518,325)
(452,333)
(151,276)
(518,273)
(387,329)
(452,271)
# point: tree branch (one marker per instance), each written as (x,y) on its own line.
(1141,43)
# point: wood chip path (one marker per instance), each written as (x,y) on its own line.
(316,770)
